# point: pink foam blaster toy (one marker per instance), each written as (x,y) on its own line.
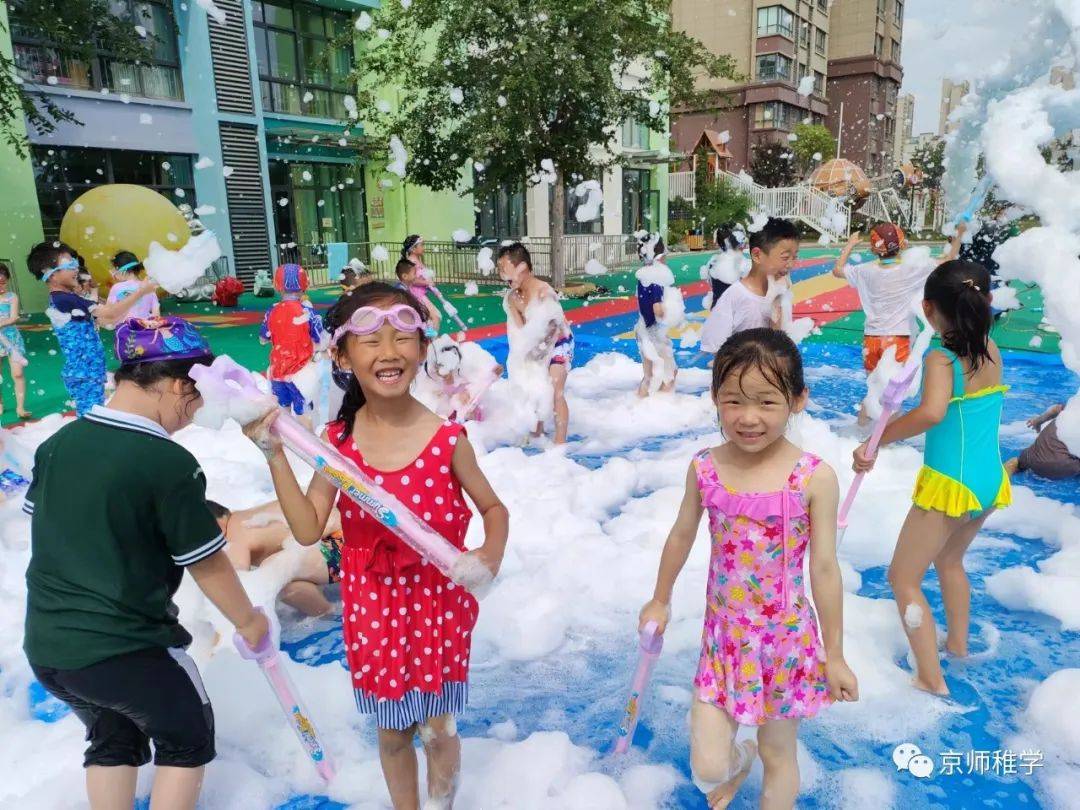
(267,656)
(451,310)
(230,390)
(650,643)
(891,401)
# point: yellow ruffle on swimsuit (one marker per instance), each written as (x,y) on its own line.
(962,471)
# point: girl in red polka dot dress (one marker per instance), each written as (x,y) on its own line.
(407,628)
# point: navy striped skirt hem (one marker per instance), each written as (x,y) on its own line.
(414,707)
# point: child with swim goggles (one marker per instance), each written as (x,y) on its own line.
(126,271)
(407,627)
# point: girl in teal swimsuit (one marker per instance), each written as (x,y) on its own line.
(962,479)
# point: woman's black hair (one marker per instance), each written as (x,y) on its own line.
(770,351)
(409,243)
(145,375)
(376,293)
(127,257)
(960,293)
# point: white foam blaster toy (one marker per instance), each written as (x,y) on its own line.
(231,389)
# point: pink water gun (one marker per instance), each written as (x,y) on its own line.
(650,643)
(891,400)
(268,658)
(465,412)
(230,390)
(451,310)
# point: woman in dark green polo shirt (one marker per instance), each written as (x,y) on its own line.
(118,514)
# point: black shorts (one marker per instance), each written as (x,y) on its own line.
(129,700)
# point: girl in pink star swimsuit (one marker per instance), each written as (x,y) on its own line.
(763,661)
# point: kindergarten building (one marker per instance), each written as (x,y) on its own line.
(241,120)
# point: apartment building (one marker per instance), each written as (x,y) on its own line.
(852,48)
(952,93)
(905,123)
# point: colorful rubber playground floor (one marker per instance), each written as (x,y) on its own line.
(832,303)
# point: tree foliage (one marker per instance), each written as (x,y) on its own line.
(719,202)
(507,85)
(76,30)
(930,160)
(813,139)
(773,165)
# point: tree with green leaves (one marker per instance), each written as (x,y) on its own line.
(522,89)
(76,30)
(813,139)
(930,160)
(719,202)
(773,165)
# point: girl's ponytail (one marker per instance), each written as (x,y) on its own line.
(960,292)
(350,406)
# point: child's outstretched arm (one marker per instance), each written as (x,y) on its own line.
(677,548)
(936,393)
(111,314)
(954,244)
(494,514)
(306,514)
(845,254)
(217,578)
(826,582)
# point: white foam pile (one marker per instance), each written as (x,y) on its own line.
(568,523)
(592,196)
(174,270)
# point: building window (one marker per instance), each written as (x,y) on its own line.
(804,34)
(324,202)
(38,62)
(819,41)
(635,135)
(570,223)
(775,115)
(896,51)
(823,6)
(775,20)
(898,12)
(299,70)
(773,66)
(501,214)
(879,45)
(881,7)
(819,83)
(62,174)
(640,201)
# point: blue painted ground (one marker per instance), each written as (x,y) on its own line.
(1030,647)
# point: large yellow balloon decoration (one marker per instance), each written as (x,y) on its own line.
(108,219)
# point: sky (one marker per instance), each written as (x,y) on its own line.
(955,39)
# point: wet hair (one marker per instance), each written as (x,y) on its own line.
(127,257)
(148,374)
(410,242)
(44,256)
(347,274)
(769,351)
(217,510)
(403,268)
(517,253)
(5,271)
(776,230)
(376,293)
(960,293)
(725,237)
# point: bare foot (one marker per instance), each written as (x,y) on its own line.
(956,650)
(721,797)
(643,389)
(1011,466)
(940,690)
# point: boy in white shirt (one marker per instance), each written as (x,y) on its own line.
(750,303)
(886,288)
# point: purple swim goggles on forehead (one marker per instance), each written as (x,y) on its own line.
(371,319)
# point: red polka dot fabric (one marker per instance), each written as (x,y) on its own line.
(406,626)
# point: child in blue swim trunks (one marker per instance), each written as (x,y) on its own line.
(962,479)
